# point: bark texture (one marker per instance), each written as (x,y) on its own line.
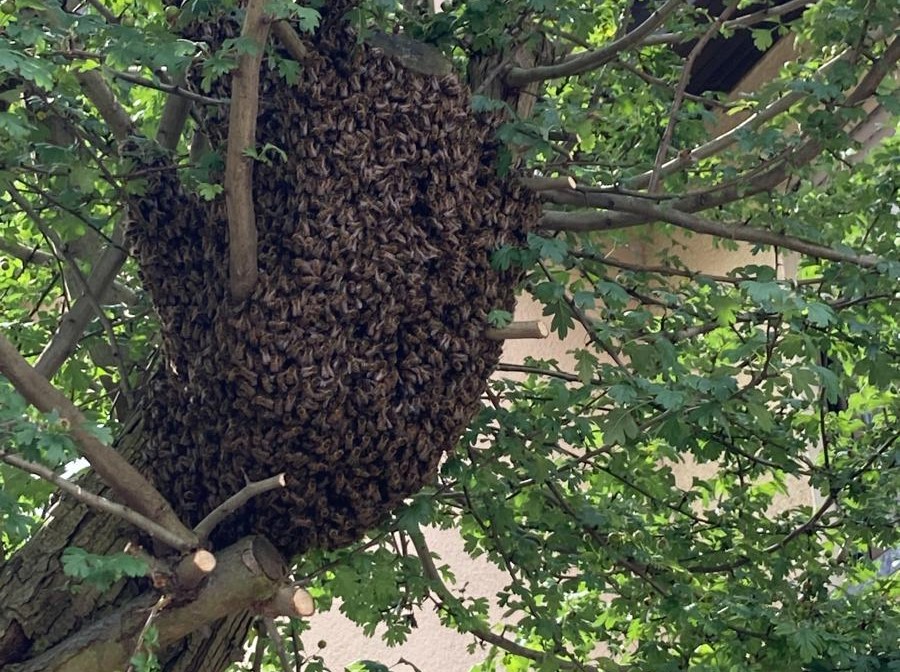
(41,608)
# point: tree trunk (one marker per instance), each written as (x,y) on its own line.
(41,607)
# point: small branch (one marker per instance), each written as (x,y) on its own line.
(125,481)
(591,60)
(98,502)
(649,211)
(290,40)
(532,329)
(96,89)
(561,375)
(585,220)
(205,527)
(154,611)
(430,571)
(242,234)
(680,88)
(73,323)
(174,89)
(277,643)
(291,601)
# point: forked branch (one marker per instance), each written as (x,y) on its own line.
(125,481)
(591,60)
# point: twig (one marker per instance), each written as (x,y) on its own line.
(174,89)
(430,571)
(591,60)
(154,610)
(680,88)
(277,642)
(656,81)
(125,481)
(205,527)
(242,234)
(98,502)
(650,211)
(103,11)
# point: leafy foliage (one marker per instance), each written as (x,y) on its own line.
(760,382)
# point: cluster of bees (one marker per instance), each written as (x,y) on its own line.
(361,355)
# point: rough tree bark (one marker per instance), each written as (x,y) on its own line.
(40,609)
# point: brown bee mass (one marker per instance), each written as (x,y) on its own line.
(360,356)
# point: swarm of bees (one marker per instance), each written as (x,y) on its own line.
(360,357)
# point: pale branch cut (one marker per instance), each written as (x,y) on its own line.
(205,527)
(98,502)
(193,568)
(585,220)
(124,480)
(680,90)
(242,234)
(289,600)
(290,40)
(247,572)
(530,329)
(591,60)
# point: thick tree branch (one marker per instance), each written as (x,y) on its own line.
(124,480)
(242,233)
(591,60)
(205,527)
(99,93)
(247,572)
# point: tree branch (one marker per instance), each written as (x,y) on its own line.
(98,502)
(591,60)
(431,573)
(174,89)
(242,233)
(124,480)
(680,88)
(205,527)
(248,571)
(653,212)
(97,91)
